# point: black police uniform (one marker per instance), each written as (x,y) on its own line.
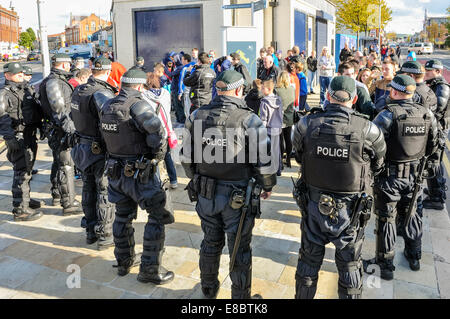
(425,96)
(338,149)
(133,135)
(89,155)
(16,129)
(55,94)
(214,183)
(437,185)
(410,132)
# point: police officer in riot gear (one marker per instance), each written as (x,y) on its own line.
(89,153)
(340,151)
(78,64)
(134,138)
(140,61)
(423,94)
(436,185)
(410,132)
(222,180)
(32,112)
(55,94)
(16,130)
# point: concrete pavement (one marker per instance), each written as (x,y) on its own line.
(45,258)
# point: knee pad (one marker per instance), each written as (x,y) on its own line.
(159,208)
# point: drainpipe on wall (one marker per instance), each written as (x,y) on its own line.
(273,5)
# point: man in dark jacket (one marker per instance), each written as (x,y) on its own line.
(345,53)
(242,69)
(270,71)
(201,82)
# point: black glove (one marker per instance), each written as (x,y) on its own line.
(160,155)
(13,144)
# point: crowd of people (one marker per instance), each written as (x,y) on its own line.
(376,118)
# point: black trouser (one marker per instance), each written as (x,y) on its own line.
(348,256)
(62,175)
(436,185)
(286,140)
(99,212)
(127,193)
(218,219)
(178,107)
(392,199)
(23,161)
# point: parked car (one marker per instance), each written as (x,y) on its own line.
(422,48)
(33,57)
(15,57)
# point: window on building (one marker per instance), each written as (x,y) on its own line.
(87,27)
(93,25)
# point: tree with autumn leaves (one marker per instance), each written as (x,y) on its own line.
(362,15)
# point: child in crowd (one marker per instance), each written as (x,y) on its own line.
(271,114)
(254,96)
(303,87)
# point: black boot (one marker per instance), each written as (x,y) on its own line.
(35,204)
(211,292)
(105,242)
(155,274)
(25,214)
(124,267)
(386,268)
(56,200)
(433,203)
(91,237)
(414,264)
(74,209)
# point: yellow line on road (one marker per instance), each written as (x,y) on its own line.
(2,144)
(446,163)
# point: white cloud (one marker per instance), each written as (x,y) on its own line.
(424,1)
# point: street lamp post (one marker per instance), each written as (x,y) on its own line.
(44,41)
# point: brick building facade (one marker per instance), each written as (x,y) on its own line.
(81,28)
(9,26)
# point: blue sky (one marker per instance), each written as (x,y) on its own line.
(407,14)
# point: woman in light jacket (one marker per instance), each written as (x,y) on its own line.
(156,96)
(326,72)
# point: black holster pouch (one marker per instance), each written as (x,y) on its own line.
(193,188)
(300,194)
(113,169)
(361,214)
(256,201)
(207,187)
(146,170)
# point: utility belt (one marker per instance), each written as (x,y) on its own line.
(330,205)
(142,169)
(401,170)
(97,147)
(206,187)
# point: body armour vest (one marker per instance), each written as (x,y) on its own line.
(223,156)
(121,136)
(15,95)
(84,114)
(31,109)
(67,91)
(333,158)
(409,133)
